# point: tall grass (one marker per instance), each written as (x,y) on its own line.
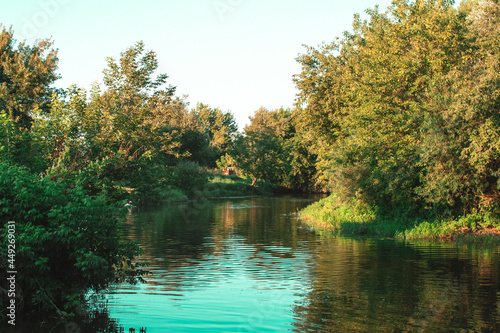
(358,218)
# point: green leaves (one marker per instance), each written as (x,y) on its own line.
(26,75)
(264,151)
(67,242)
(402,111)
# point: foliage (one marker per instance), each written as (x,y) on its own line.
(220,126)
(262,152)
(228,186)
(67,242)
(460,144)
(189,177)
(26,75)
(17,145)
(153,184)
(402,113)
(59,132)
(225,161)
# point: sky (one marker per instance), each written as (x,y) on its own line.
(236,55)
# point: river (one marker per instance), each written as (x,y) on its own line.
(251,265)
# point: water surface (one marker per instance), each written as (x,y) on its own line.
(250,265)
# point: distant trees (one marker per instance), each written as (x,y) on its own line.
(271,150)
(135,123)
(261,152)
(221,128)
(403,111)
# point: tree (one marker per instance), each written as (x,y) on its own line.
(303,160)
(365,94)
(26,75)
(262,151)
(460,146)
(59,132)
(132,109)
(220,126)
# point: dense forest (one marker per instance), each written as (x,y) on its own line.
(398,120)
(403,114)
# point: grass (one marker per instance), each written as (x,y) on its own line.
(357,218)
(473,228)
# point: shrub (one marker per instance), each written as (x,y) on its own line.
(189,177)
(67,242)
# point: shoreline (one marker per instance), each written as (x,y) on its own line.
(328,215)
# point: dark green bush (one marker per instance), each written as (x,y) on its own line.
(67,242)
(189,177)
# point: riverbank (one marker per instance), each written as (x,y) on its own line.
(216,186)
(219,186)
(331,214)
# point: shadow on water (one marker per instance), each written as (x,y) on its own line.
(363,285)
(94,317)
(96,320)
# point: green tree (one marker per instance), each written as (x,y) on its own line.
(262,151)
(460,145)
(26,75)
(132,108)
(59,132)
(220,126)
(303,160)
(364,98)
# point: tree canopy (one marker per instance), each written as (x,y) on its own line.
(402,111)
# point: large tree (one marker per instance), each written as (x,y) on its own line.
(374,104)
(460,143)
(26,77)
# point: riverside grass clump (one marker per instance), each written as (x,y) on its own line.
(358,218)
(353,218)
(472,228)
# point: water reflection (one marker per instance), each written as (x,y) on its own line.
(249,265)
(235,265)
(388,286)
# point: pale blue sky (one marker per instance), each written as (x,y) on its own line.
(237,55)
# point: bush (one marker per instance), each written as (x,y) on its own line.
(67,242)
(189,177)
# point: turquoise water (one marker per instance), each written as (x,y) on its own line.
(250,265)
(231,266)
(235,289)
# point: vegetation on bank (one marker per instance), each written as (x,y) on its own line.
(66,242)
(359,219)
(402,115)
